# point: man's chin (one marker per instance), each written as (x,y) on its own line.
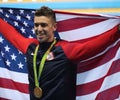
(42,40)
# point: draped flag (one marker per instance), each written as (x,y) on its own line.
(97,78)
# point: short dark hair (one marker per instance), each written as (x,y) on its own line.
(46,11)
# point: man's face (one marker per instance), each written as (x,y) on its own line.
(44,28)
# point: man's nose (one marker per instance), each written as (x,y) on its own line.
(39,27)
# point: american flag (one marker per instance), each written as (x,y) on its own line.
(98,78)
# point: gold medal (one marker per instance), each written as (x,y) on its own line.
(37,92)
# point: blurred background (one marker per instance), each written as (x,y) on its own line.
(79,6)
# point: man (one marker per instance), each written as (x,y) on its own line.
(52,63)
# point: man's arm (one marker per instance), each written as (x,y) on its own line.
(82,51)
(12,35)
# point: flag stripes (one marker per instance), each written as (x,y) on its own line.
(88,31)
(13,85)
(76,23)
(91,62)
(18,77)
(115,91)
(97,77)
(9,94)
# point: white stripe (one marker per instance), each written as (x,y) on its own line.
(13,94)
(96,73)
(109,82)
(61,17)
(109,15)
(15,76)
(89,31)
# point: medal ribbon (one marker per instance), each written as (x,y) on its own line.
(37,77)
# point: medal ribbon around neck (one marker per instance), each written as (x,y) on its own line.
(37,76)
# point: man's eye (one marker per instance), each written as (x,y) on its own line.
(36,24)
(43,24)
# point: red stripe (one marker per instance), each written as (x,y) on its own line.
(10,84)
(93,86)
(83,66)
(88,87)
(115,67)
(3,99)
(109,94)
(75,23)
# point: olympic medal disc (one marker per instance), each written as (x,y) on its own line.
(37,92)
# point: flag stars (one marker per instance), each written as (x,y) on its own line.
(20,65)
(7,15)
(1,10)
(15,23)
(25,59)
(26,24)
(20,52)
(21,11)
(8,63)
(30,36)
(2,54)
(11,11)
(23,30)
(22,21)
(4,20)
(33,31)
(18,17)
(7,48)
(1,40)
(28,17)
(33,12)
(13,57)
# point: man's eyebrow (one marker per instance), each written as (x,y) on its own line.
(42,24)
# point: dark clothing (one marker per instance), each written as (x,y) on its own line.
(58,76)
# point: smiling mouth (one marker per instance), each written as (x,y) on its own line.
(40,36)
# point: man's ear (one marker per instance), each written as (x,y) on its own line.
(55,26)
